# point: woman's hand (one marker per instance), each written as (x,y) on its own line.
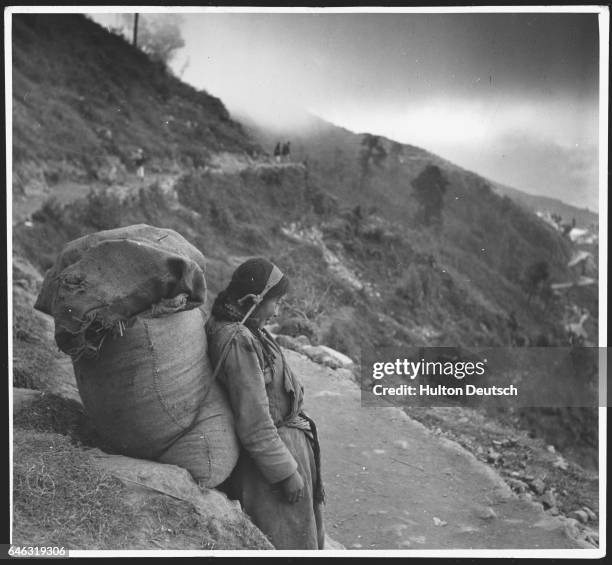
(293,487)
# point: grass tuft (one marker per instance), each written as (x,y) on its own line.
(53,413)
(60,498)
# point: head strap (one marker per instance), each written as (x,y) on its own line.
(273,279)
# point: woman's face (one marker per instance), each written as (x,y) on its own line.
(266,310)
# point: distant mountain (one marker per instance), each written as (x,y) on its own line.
(319,140)
(485,233)
(585,218)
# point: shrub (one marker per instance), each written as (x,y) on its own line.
(342,337)
(50,211)
(253,236)
(428,190)
(101,210)
(412,288)
(222,217)
(299,326)
(270,176)
(535,278)
(308,302)
(153,203)
(22,378)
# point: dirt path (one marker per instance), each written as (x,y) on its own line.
(392,484)
(67,192)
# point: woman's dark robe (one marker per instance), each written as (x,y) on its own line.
(274,435)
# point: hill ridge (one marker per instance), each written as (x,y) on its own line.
(312,122)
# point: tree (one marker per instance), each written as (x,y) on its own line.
(428,188)
(396,151)
(159,36)
(372,151)
(536,278)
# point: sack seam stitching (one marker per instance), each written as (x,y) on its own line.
(156,378)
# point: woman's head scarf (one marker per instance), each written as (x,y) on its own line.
(252,282)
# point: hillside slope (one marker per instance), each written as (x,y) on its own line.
(485,245)
(584,217)
(85,99)
(364,271)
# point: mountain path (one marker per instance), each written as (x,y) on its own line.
(67,191)
(392,484)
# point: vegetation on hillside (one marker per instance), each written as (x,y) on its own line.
(159,37)
(341,220)
(461,277)
(85,99)
(486,243)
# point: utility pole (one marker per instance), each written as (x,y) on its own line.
(135,35)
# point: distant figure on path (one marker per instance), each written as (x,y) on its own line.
(139,161)
(286,150)
(277,152)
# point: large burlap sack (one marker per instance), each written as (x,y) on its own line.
(209,449)
(150,395)
(103,279)
(163,238)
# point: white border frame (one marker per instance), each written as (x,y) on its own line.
(604,28)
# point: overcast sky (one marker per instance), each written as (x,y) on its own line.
(511,96)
